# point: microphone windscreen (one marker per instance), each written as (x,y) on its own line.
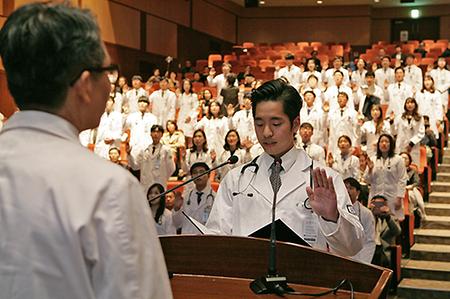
(233,159)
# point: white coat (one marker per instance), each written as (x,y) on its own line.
(156,166)
(382,75)
(368,133)
(118,101)
(73,225)
(327,76)
(165,224)
(388,178)
(430,105)
(306,75)
(243,122)
(188,104)
(140,126)
(110,127)
(413,77)
(368,222)
(163,106)
(215,130)
(241,214)
(331,95)
(316,117)
(198,211)
(194,157)
(339,125)
(131,98)
(359,77)
(397,96)
(360,97)
(243,157)
(348,167)
(314,151)
(409,131)
(442,84)
(293,74)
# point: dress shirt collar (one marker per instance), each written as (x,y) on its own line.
(44,122)
(287,160)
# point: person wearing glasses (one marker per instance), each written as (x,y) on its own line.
(72,225)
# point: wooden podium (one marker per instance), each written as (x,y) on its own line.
(223,267)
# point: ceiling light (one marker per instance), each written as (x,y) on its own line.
(262,2)
(376,1)
(415,13)
(319,1)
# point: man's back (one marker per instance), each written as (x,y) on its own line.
(72,225)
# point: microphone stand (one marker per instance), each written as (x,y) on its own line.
(272,283)
(231,160)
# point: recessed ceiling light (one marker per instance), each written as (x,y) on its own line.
(319,1)
(262,2)
(376,1)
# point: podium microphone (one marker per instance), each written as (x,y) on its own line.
(232,160)
(272,283)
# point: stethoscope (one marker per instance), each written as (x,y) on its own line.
(253,163)
(209,196)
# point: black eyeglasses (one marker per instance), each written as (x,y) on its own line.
(112,71)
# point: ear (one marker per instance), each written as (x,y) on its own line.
(296,123)
(83,88)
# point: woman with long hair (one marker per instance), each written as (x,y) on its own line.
(215,126)
(410,130)
(430,104)
(387,176)
(370,130)
(188,113)
(162,216)
(198,152)
(233,147)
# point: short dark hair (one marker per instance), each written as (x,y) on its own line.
(338,71)
(399,68)
(278,90)
(346,138)
(353,182)
(309,91)
(157,128)
(143,99)
(370,74)
(386,56)
(197,165)
(307,125)
(289,56)
(44,47)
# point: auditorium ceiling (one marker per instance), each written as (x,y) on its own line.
(380,3)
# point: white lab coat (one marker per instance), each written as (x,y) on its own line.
(331,95)
(442,84)
(110,127)
(219,81)
(409,131)
(316,117)
(339,125)
(314,151)
(215,129)
(293,74)
(430,104)
(131,98)
(118,101)
(250,209)
(328,75)
(73,225)
(359,77)
(382,75)
(140,127)
(396,97)
(156,166)
(388,178)
(368,133)
(194,157)
(165,224)
(243,158)
(163,106)
(347,166)
(243,122)
(413,77)
(306,75)
(368,222)
(198,211)
(188,104)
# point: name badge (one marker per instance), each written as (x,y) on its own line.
(310,227)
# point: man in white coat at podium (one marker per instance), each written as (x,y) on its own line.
(311,201)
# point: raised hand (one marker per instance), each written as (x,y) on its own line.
(178,203)
(323,197)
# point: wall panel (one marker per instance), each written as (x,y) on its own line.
(213,20)
(380,30)
(161,37)
(355,30)
(445,27)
